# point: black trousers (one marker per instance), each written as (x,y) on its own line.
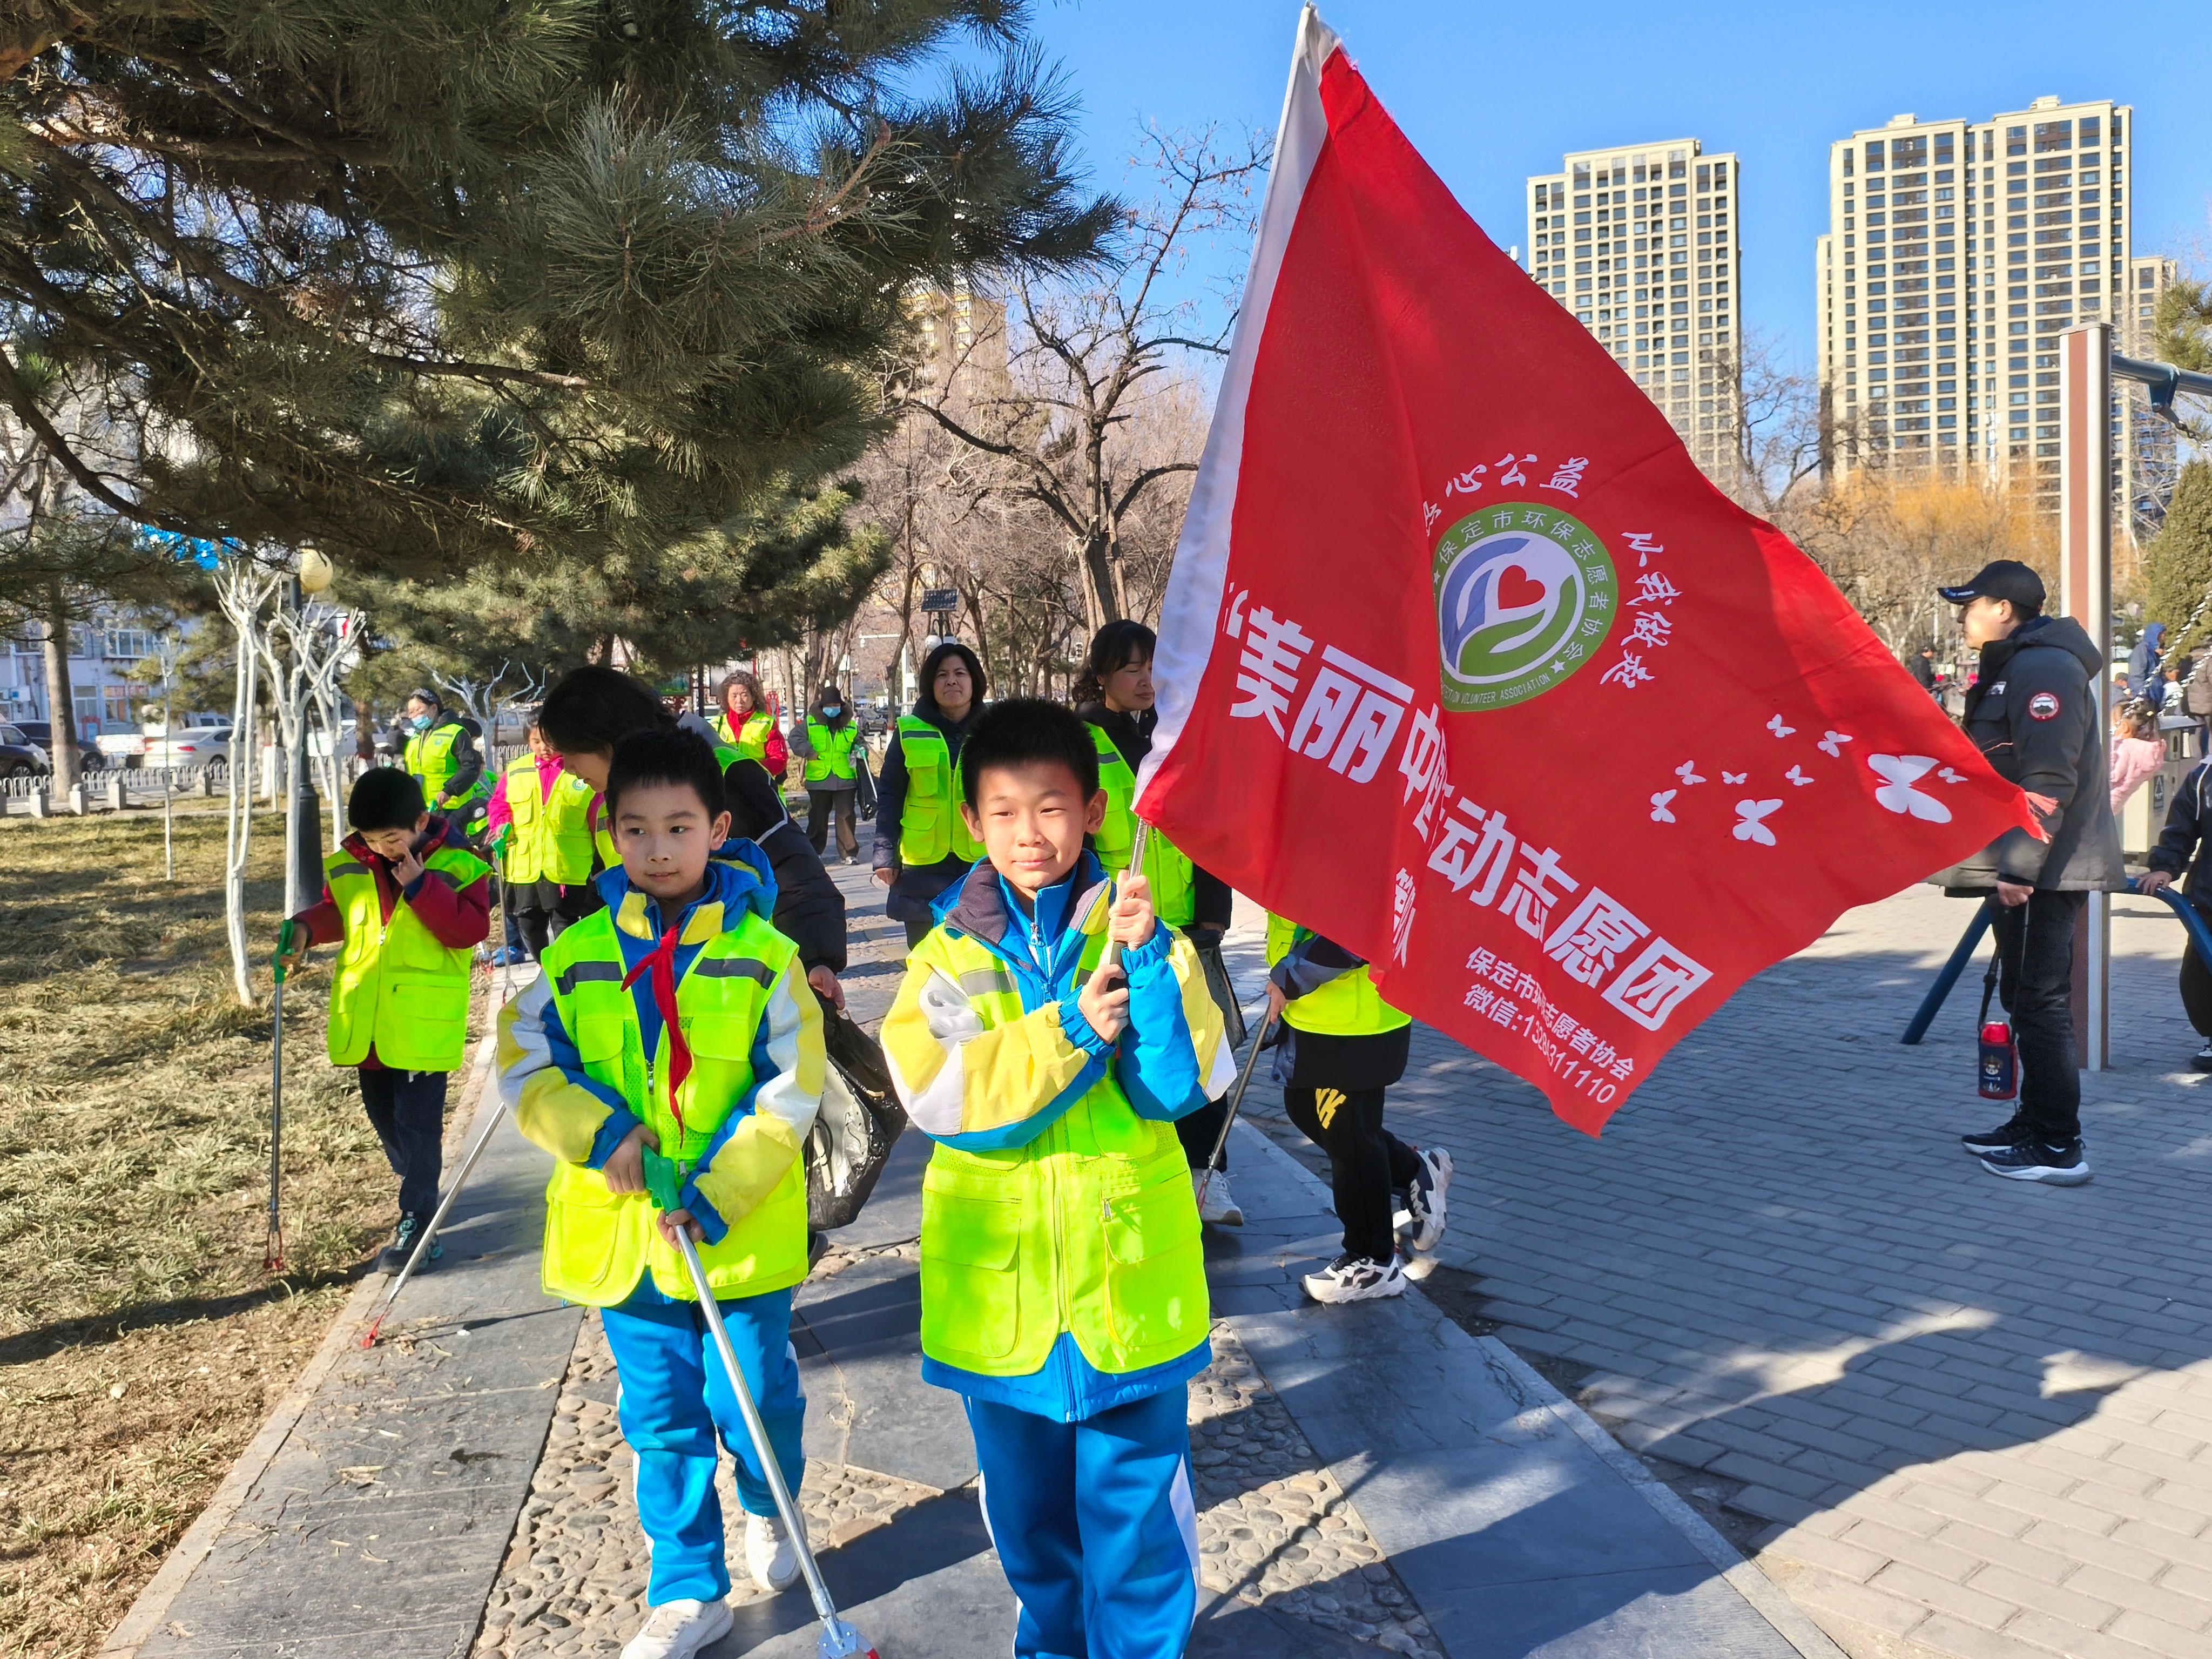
(540,911)
(2035,979)
(408,1111)
(1198,1131)
(2197,991)
(918,931)
(825,804)
(1366,1162)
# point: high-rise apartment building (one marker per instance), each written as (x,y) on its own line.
(1956,252)
(2150,461)
(1644,244)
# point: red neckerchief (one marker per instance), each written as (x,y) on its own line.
(661,961)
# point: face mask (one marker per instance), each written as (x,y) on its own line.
(419,723)
(833,709)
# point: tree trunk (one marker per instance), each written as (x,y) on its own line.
(1100,585)
(61,696)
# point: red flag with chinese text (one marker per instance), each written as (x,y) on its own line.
(1464,664)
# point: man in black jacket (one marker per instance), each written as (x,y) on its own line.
(2034,715)
(2186,845)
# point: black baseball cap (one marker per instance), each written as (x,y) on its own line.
(2000,579)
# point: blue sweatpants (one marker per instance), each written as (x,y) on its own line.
(1095,1526)
(674,1397)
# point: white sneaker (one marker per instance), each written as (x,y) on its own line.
(1356,1278)
(676,1630)
(1216,1203)
(770,1554)
(1425,1198)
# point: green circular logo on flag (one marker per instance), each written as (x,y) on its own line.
(1525,596)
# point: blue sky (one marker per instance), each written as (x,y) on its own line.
(1490,94)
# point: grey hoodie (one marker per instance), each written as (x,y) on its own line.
(2033,715)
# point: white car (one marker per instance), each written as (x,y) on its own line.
(192,745)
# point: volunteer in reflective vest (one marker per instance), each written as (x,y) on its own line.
(675,1025)
(741,722)
(540,822)
(1063,1281)
(1115,695)
(923,843)
(440,752)
(832,773)
(1342,1047)
(594,709)
(406,901)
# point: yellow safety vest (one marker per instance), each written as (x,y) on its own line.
(1091,1228)
(429,756)
(552,838)
(1174,889)
(931,827)
(397,988)
(833,751)
(751,739)
(603,837)
(599,1244)
(1348,1006)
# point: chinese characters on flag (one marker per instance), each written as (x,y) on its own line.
(1464,664)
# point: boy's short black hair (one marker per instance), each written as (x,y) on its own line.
(671,755)
(385,797)
(1027,731)
(594,709)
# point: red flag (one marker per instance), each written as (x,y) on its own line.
(1465,665)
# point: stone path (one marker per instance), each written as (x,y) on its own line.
(1953,1415)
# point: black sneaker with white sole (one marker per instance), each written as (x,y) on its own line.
(2003,1137)
(2035,1160)
(1356,1278)
(1425,1198)
(2201,1060)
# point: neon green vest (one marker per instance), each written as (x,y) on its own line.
(751,739)
(552,839)
(598,1243)
(1348,1006)
(397,989)
(931,827)
(833,751)
(1175,891)
(603,838)
(1091,1228)
(429,756)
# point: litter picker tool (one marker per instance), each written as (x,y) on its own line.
(1236,1100)
(272,1254)
(839,1640)
(437,1220)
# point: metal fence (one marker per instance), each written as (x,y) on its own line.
(146,785)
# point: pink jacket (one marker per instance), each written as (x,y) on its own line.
(500,812)
(2134,761)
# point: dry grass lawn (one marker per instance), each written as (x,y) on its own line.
(141,1343)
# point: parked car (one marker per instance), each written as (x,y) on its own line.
(19,757)
(196,746)
(128,748)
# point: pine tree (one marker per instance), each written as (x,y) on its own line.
(540,286)
(2178,564)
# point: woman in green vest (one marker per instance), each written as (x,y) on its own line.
(1114,696)
(830,746)
(1341,1047)
(922,845)
(745,725)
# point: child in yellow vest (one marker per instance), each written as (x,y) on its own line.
(1063,1282)
(677,1025)
(406,900)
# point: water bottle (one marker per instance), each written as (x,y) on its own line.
(2000,1062)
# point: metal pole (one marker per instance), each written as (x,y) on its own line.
(1235,1100)
(838,1638)
(2085,563)
(437,1220)
(1961,954)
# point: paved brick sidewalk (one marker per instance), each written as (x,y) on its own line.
(1967,1416)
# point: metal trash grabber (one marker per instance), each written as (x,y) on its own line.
(272,1252)
(1236,1100)
(839,1640)
(437,1220)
